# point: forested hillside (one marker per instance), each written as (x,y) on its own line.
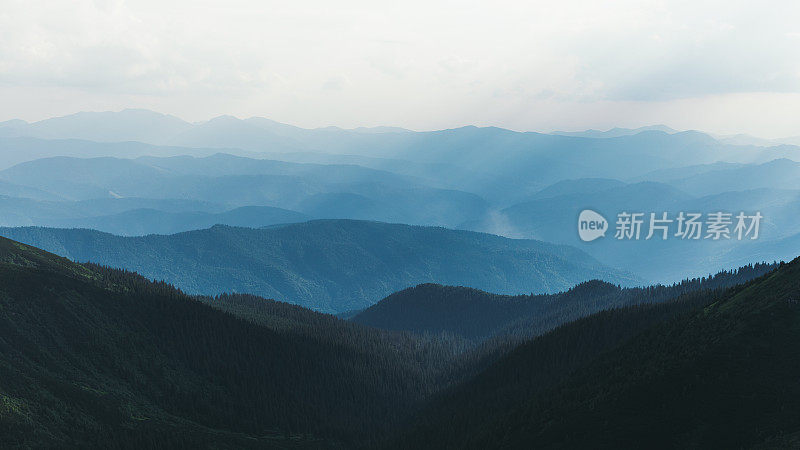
(479,315)
(721,373)
(332,265)
(91,356)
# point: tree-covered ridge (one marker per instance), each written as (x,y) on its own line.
(716,369)
(329,265)
(92,356)
(478,315)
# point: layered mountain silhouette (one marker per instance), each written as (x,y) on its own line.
(330,265)
(95,357)
(144,221)
(708,370)
(487,151)
(478,315)
(316,190)
(127,125)
(551,215)
(100,357)
(65,172)
(615,132)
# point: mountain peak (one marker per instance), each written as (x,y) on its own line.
(225,118)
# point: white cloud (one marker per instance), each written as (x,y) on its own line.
(421,64)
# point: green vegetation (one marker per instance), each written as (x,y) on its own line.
(91,356)
(478,315)
(713,370)
(329,265)
(97,357)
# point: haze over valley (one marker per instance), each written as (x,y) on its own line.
(137,172)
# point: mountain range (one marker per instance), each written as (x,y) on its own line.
(704,372)
(330,265)
(482,179)
(314,190)
(467,151)
(92,356)
(99,357)
(245,283)
(479,316)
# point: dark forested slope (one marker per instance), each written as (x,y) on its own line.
(98,357)
(722,374)
(477,315)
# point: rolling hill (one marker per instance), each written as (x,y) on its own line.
(330,265)
(126,125)
(475,155)
(551,216)
(776,174)
(715,369)
(144,221)
(17,150)
(96,357)
(477,315)
(546,214)
(154,177)
(317,190)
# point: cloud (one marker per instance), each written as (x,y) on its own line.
(336,83)
(421,64)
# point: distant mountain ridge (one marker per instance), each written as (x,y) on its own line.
(615,132)
(550,215)
(151,127)
(127,125)
(478,315)
(234,181)
(45,193)
(144,221)
(517,184)
(330,265)
(502,166)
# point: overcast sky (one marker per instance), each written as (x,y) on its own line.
(720,66)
